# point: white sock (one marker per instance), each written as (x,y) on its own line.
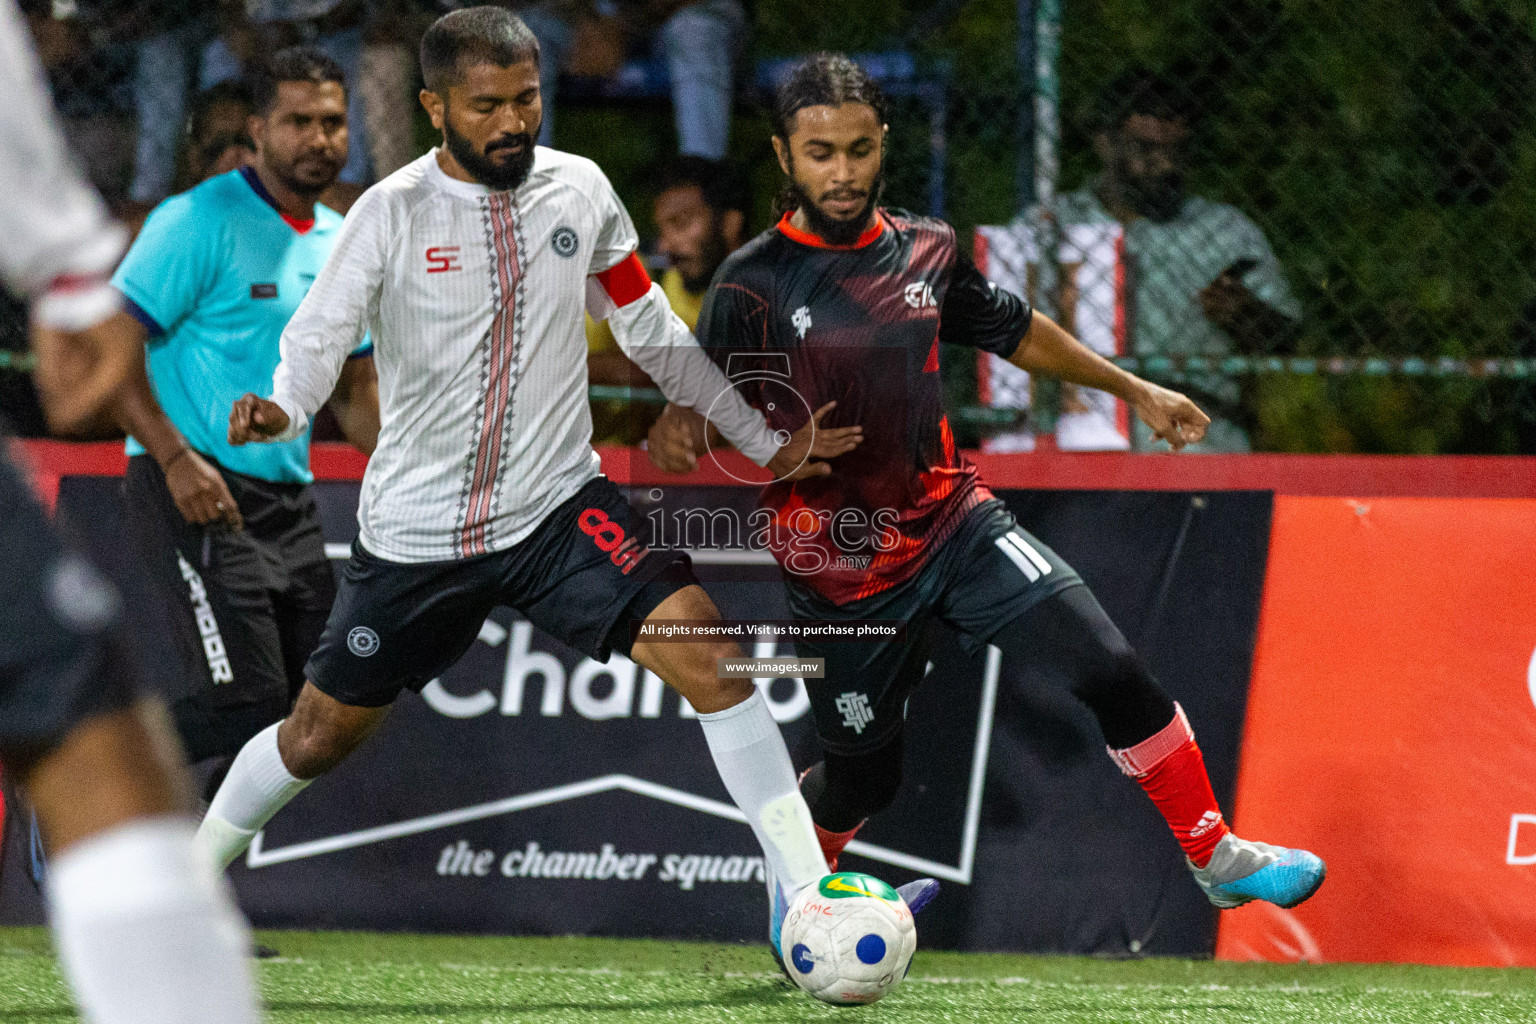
(258,786)
(146,931)
(750,755)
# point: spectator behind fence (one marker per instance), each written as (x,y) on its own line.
(1163,272)
(204,44)
(218,138)
(701,212)
(699,39)
(1206,280)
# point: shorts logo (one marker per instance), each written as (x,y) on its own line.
(856,711)
(623,551)
(564,242)
(219,668)
(264,291)
(362,641)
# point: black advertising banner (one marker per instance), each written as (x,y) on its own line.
(533,790)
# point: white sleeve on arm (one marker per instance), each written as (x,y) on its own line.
(658,341)
(331,321)
(57,244)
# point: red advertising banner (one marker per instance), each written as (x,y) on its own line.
(1392,729)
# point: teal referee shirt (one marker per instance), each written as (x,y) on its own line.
(214,277)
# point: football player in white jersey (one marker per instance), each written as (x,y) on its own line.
(472,268)
(144,928)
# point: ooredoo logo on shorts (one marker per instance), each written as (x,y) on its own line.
(362,641)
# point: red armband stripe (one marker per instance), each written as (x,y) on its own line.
(625,281)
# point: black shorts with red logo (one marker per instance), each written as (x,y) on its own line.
(581,576)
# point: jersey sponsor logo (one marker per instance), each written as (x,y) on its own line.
(443,258)
(801,321)
(363,641)
(564,242)
(856,711)
(214,651)
(264,291)
(623,550)
(919,295)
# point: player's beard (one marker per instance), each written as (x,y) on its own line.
(495,176)
(830,229)
(322,171)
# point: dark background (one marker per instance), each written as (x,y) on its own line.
(1071,856)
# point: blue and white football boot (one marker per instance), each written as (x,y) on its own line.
(1240,871)
(918,894)
(778,906)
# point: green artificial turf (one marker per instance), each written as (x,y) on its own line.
(335,978)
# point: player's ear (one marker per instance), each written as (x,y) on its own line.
(733,224)
(432,103)
(256,128)
(781,150)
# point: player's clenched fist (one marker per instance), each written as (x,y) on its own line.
(1172,416)
(255,419)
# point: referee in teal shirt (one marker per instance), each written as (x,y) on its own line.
(232,535)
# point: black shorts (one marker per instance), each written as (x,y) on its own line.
(60,659)
(581,576)
(247,607)
(985,575)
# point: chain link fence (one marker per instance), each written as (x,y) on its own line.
(1316,217)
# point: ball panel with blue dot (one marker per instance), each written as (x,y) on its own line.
(871,949)
(800,956)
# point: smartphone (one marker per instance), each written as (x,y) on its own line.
(1239,268)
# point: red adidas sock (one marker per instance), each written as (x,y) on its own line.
(1168,765)
(833,843)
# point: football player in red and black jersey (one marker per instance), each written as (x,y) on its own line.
(845,301)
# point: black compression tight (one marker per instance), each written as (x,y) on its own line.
(1068,634)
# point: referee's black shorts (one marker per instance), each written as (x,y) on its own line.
(583,574)
(60,659)
(985,575)
(247,607)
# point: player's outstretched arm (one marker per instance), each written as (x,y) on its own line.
(1048,349)
(681,435)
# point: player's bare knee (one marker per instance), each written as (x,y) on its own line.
(313,744)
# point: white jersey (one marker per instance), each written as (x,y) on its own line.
(57,244)
(475,302)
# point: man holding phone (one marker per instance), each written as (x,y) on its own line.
(1199,278)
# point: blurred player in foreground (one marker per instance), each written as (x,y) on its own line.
(230,537)
(145,930)
(471,267)
(861,298)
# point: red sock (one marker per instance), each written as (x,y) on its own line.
(2,813)
(833,843)
(1170,768)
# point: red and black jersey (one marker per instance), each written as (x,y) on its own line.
(796,323)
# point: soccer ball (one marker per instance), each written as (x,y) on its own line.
(848,939)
